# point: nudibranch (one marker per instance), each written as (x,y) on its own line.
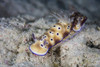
(66,28)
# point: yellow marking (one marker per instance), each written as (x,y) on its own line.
(37,49)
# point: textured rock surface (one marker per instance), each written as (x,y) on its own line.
(16,34)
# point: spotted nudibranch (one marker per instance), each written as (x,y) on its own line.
(63,30)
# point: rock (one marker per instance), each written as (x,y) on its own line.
(41,8)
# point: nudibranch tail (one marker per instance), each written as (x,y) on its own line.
(63,30)
(79,21)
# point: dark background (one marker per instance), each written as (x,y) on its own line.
(39,8)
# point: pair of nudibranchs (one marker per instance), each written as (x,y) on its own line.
(66,28)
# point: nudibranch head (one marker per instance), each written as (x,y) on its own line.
(38,48)
(79,21)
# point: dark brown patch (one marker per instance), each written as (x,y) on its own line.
(49,45)
(74,23)
(77,15)
(65,34)
(57,41)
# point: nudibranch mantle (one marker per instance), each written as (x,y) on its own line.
(63,30)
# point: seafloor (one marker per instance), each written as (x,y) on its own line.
(16,36)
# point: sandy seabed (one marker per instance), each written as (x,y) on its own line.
(16,36)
